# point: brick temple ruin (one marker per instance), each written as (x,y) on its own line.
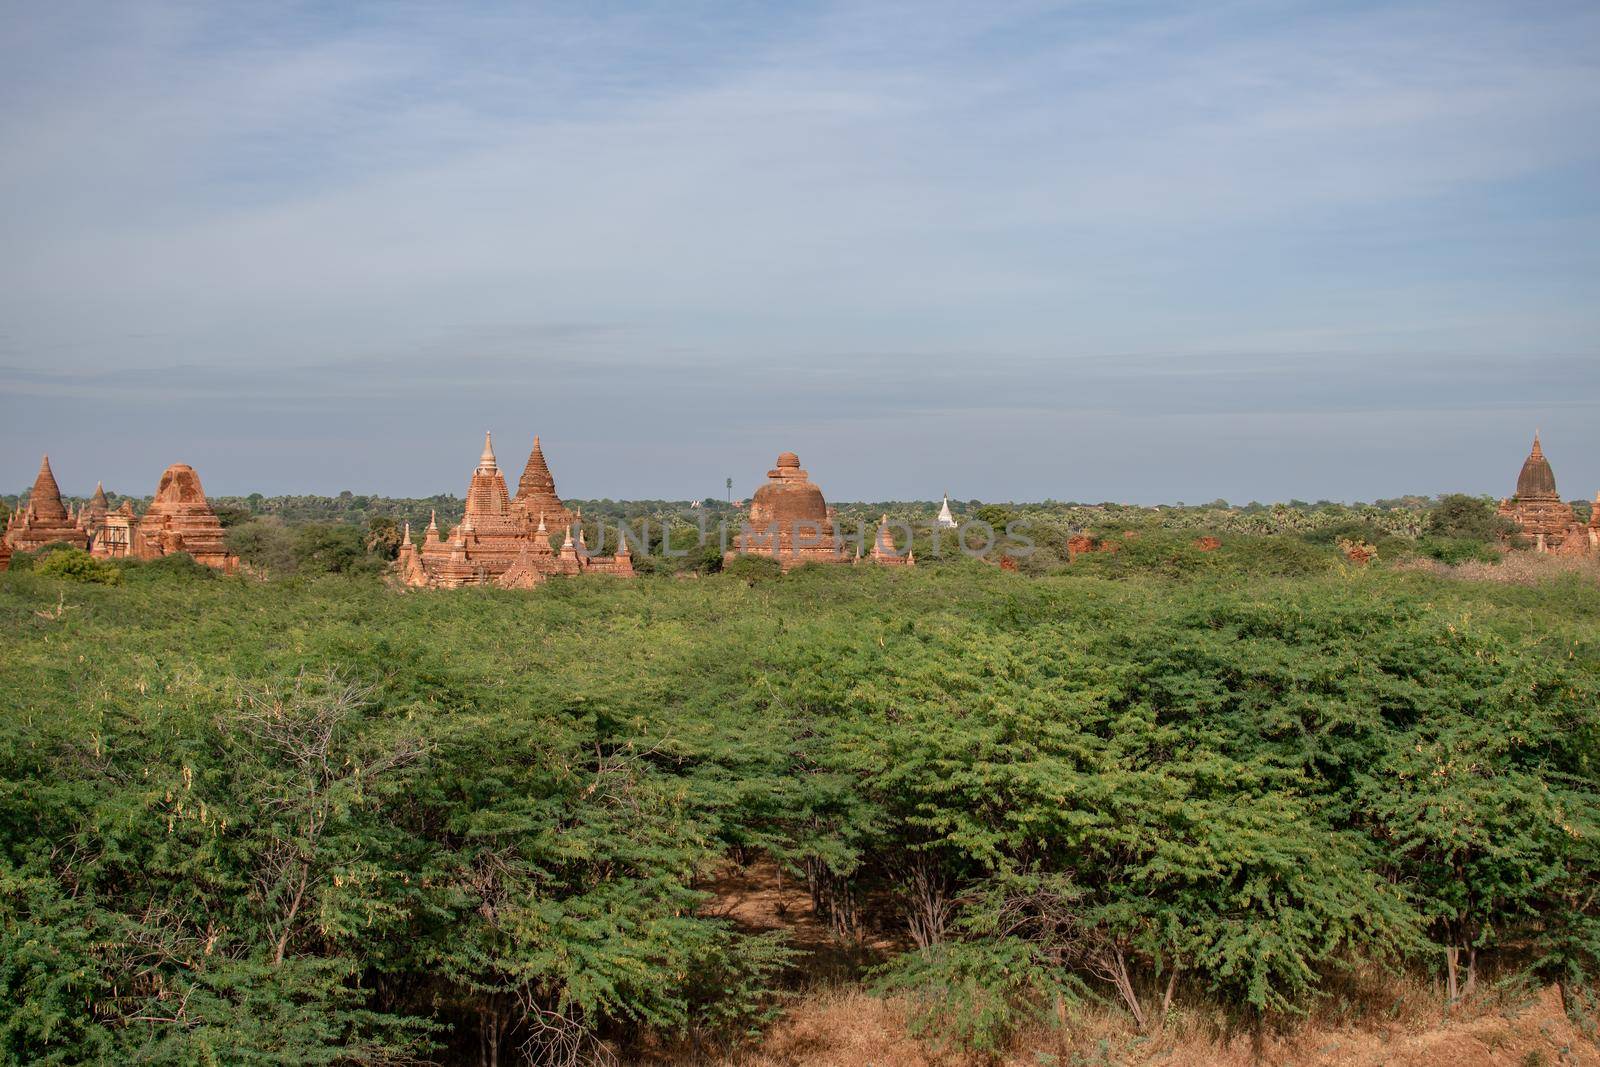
(504,540)
(791,521)
(179,519)
(1542,516)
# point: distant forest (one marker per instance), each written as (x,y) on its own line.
(361,508)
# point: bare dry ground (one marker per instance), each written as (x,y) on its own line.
(836,1024)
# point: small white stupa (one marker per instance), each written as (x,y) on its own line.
(946,521)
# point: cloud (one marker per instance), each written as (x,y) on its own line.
(702,219)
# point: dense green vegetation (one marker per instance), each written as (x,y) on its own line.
(321,819)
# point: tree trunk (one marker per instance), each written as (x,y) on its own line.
(294,909)
(1451,956)
(489,1038)
(1166,998)
(1124,983)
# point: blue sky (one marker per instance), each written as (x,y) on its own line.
(1127,251)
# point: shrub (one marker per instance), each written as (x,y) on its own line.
(178,567)
(1456,550)
(1354,530)
(753,569)
(1276,556)
(76,565)
(27,561)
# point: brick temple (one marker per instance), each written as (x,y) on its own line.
(179,519)
(884,552)
(45,519)
(503,540)
(1542,516)
(791,521)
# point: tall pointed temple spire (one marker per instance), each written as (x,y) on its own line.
(1537,508)
(92,516)
(46,519)
(1537,481)
(46,496)
(884,551)
(536,490)
(487,461)
(945,521)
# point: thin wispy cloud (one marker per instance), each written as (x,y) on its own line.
(971,238)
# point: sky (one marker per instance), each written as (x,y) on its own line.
(1128,251)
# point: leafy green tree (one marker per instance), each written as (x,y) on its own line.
(383,537)
(1467,518)
(264,545)
(332,548)
(996,515)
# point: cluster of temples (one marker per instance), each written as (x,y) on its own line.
(506,540)
(519,541)
(1542,516)
(179,519)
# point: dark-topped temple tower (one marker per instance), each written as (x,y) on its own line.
(1537,508)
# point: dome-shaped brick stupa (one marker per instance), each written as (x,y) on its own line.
(789,520)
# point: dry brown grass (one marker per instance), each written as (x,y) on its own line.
(1368,1017)
(1517,568)
(845,1027)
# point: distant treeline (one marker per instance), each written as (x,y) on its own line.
(361,508)
(352,533)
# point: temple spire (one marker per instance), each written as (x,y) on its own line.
(487,460)
(45,500)
(1537,480)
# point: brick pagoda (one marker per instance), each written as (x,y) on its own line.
(179,519)
(1537,508)
(504,541)
(44,520)
(884,553)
